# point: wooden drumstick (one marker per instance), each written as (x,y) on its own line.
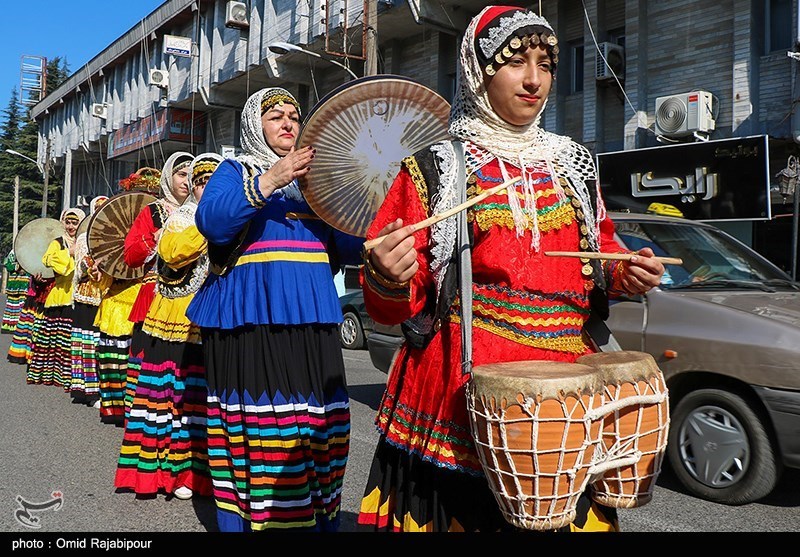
(430,221)
(619,256)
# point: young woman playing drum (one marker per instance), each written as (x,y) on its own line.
(278,408)
(51,360)
(426,473)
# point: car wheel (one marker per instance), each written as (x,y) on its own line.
(350,332)
(720,450)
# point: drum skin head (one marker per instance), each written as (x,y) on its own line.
(83,226)
(535,379)
(32,242)
(110,224)
(362,131)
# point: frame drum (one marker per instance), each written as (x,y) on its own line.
(32,242)
(362,131)
(106,232)
(83,226)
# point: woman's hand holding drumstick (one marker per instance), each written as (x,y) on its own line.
(395,257)
(392,253)
(430,221)
(642,270)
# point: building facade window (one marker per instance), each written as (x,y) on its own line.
(778,29)
(576,68)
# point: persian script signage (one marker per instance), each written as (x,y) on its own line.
(713,180)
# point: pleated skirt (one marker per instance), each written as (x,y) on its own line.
(51,358)
(136,354)
(85,382)
(278,426)
(19,352)
(165,443)
(16,292)
(112,367)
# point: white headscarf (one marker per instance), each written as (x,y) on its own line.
(175,159)
(256,150)
(93,203)
(257,153)
(71,211)
(182,218)
(486,136)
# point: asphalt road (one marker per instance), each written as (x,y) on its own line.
(48,444)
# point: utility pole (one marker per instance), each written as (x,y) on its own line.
(16,211)
(371,21)
(46,176)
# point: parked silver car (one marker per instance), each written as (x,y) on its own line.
(356,323)
(724,328)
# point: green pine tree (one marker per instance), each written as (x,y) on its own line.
(18,131)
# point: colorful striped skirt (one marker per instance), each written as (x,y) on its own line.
(278,426)
(22,340)
(51,358)
(112,367)
(165,443)
(85,383)
(16,292)
(136,355)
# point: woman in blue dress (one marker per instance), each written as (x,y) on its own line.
(278,407)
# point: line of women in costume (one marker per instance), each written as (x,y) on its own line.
(223,363)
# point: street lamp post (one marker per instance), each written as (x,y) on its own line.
(44,170)
(280,47)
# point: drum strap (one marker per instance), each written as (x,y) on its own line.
(600,334)
(464,265)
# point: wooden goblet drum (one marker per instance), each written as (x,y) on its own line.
(635,427)
(531,426)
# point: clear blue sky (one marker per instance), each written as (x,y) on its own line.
(77,30)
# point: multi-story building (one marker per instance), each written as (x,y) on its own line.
(178,79)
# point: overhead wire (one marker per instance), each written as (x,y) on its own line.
(641,118)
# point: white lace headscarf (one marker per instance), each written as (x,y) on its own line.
(257,153)
(487,136)
(93,203)
(175,162)
(70,240)
(183,217)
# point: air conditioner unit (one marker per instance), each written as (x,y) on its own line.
(685,114)
(100,110)
(236,15)
(615,55)
(159,78)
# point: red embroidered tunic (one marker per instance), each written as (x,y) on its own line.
(140,247)
(526,306)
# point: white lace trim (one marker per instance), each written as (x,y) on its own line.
(181,219)
(529,148)
(443,233)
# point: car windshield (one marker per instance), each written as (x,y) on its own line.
(710,257)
